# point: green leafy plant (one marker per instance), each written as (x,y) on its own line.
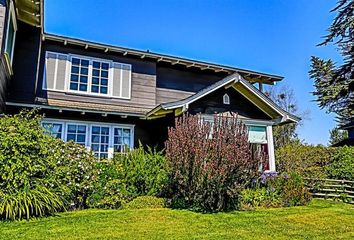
(109,188)
(145,202)
(25,203)
(259,197)
(291,189)
(342,164)
(144,172)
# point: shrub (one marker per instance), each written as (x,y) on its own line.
(291,189)
(143,172)
(259,197)
(25,203)
(210,164)
(73,174)
(25,166)
(342,164)
(307,160)
(145,202)
(109,189)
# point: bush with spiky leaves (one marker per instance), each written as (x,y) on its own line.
(209,163)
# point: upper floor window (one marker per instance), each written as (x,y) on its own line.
(86,75)
(11,32)
(90,76)
(226,99)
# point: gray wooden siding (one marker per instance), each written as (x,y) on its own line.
(142,96)
(164,95)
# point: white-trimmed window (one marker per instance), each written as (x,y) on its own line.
(89,75)
(122,139)
(76,133)
(54,129)
(226,99)
(102,138)
(11,32)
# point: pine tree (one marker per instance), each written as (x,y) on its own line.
(335,84)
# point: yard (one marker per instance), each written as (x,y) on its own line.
(320,220)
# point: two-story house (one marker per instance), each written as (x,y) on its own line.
(108,97)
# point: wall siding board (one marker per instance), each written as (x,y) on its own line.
(164,95)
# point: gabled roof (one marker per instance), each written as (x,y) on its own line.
(252,76)
(244,87)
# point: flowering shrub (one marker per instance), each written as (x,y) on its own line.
(291,188)
(74,172)
(210,164)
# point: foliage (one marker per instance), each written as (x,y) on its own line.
(73,174)
(335,84)
(143,172)
(337,135)
(259,197)
(307,160)
(145,202)
(210,163)
(37,167)
(285,98)
(342,164)
(25,203)
(109,189)
(291,189)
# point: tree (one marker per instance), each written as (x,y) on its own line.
(337,135)
(335,84)
(285,98)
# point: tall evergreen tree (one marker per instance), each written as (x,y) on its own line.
(335,84)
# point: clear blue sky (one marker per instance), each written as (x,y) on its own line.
(272,36)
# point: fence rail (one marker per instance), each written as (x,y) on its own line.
(335,189)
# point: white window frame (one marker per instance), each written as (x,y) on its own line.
(12,16)
(89,80)
(226,99)
(56,122)
(89,125)
(77,124)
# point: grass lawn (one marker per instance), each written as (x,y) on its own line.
(320,220)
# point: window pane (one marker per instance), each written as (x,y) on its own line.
(54,129)
(81,138)
(257,134)
(96,64)
(70,137)
(126,132)
(75,61)
(104,130)
(104,90)
(84,71)
(94,89)
(84,63)
(104,74)
(73,86)
(95,81)
(83,79)
(105,66)
(74,69)
(81,129)
(74,78)
(104,81)
(95,138)
(96,73)
(83,87)
(71,128)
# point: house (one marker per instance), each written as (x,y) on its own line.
(108,97)
(349,126)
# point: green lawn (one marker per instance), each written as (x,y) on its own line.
(319,220)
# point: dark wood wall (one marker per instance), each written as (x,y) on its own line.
(23,82)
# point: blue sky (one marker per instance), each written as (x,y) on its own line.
(272,36)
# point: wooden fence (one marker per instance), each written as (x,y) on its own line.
(331,189)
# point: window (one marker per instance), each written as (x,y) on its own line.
(89,76)
(79,74)
(100,77)
(11,32)
(100,141)
(226,99)
(76,133)
(122,137)
(257,134)
(54,129)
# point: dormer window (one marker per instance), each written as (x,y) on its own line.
(226,99)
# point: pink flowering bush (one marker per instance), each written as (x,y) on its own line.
(210,164)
